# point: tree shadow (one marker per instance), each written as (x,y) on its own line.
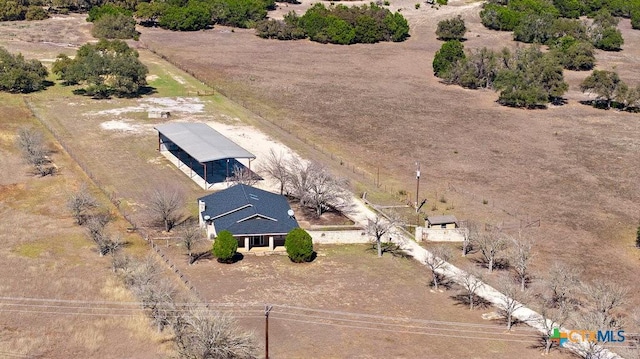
(498,264)
(391,248)
(463,300)
(237,257)
(443,282)
(200,256)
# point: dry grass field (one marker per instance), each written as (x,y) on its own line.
(350,304)
(48,258)
(377,106)
(573,167)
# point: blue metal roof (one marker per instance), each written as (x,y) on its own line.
(246,210)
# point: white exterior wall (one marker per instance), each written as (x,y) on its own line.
(440,234)
(351,236)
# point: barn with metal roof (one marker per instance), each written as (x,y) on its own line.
(207,153)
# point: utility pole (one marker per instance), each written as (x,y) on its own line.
(417,183)
(267,309)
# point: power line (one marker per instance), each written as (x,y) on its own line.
(398,325)
(406,331)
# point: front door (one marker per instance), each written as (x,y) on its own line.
(257,241)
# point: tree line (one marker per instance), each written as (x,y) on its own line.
(338,24)
(529,77)
(546,21)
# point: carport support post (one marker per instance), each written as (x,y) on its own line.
(206,186)
(271,243)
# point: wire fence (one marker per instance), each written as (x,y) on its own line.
(112,196)
(400,194)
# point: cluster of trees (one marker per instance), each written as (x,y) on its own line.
(309,182)
(546,21)
(560,295)
(19,75)
(338,25)
(198,332)
(112,22)
(107,68)
(194,15)
(35,151)
(527,78)
(610,91)
(22,10)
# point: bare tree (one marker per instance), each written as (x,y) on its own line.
(243,175)
(96,229)
(520,257)
(34,150)
(316,187)
(471,281)
(439,257)
(511,300)
(158,298)
(299,177)
(205,334)
(604,298)
(551,319)
(469,232)
(166,203)
(590,349)
(378,227)
(491,244)
(190,235)
(275,165)
(81,203)
(561,283)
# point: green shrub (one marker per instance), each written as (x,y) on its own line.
(498,17)
(36,13)
(225,247)
(19,75)
(608,39)
(574,54)
(451,29)
(117,26)
(532,80)
(278,29)
(190,18)
(444,59)
(635,20)
(569,8)
(299,246)
(240,13)
(534,29)
(441,2)
(97,12)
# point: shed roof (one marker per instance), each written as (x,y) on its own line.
(202,142)
(445,219)
(246,210)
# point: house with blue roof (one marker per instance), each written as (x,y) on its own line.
(255,217)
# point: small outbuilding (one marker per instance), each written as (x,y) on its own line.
(256,218)
(444,221)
